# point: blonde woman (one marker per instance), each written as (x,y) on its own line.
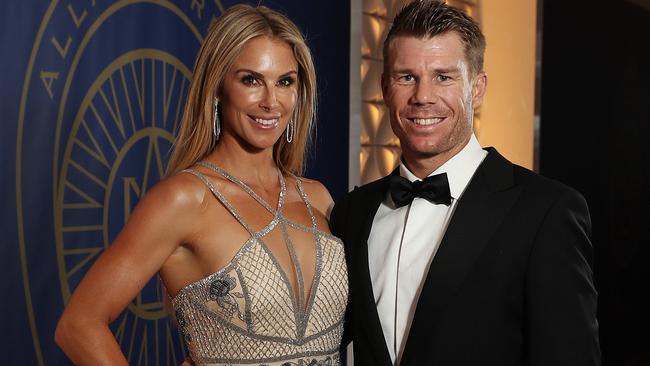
(240,241)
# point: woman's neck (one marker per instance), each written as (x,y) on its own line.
(249,165)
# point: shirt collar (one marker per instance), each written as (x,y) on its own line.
(460,168)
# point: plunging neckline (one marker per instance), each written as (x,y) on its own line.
(301,300)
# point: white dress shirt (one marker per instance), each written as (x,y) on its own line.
(404,240)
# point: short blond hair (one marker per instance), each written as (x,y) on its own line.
(428,18)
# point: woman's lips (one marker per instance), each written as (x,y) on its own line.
(265,122)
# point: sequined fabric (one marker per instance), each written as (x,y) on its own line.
(247,313)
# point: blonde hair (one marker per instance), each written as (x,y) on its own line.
(221,47)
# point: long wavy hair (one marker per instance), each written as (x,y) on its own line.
(222,45)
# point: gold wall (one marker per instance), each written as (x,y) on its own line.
(508,112)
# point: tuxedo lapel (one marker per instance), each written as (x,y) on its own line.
(487,199)
(366,206)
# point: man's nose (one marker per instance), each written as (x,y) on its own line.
(425,92)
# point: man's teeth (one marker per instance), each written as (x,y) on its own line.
(266,122)
(426,121)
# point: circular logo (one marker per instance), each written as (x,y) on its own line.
(103,96)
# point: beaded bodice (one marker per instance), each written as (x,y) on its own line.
(248,313)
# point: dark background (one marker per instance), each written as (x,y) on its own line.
(594,137)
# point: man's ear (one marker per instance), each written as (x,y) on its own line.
(384,84)
(479,87)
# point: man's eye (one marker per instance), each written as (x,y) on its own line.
(406,78)
(443,78)
(250,80)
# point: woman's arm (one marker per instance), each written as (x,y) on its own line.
(159,224)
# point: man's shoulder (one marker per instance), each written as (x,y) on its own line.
(541,185)
(356,205)
(500,168)
(366,190)
(370,188)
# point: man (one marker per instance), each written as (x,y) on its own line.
(483,263)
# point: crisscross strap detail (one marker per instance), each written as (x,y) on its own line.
(225,202)
(279,218)
(247,189)
(279,326)
(301,303)
(305,199)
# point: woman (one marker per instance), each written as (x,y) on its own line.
(241,244)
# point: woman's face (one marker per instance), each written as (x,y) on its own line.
(259,93)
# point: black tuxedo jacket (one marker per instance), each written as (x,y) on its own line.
(511,283)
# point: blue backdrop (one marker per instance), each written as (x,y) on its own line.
(91,92)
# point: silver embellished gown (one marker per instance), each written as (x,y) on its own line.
(248,313)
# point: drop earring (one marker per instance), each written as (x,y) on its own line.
(216,124)
(290,131)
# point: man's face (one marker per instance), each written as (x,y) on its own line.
(430,96)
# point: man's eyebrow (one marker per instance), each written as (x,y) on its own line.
(446,70)
(440,70)
(404,70)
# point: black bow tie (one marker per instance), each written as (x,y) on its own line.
(434,189)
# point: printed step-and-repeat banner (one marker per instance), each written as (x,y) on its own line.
(92,94)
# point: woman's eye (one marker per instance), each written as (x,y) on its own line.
(250,80)
(287,82)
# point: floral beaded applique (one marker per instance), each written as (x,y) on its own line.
(313,362)
(221,292)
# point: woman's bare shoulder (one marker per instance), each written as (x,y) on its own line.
(168,213)
(179,192)
(319,196)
